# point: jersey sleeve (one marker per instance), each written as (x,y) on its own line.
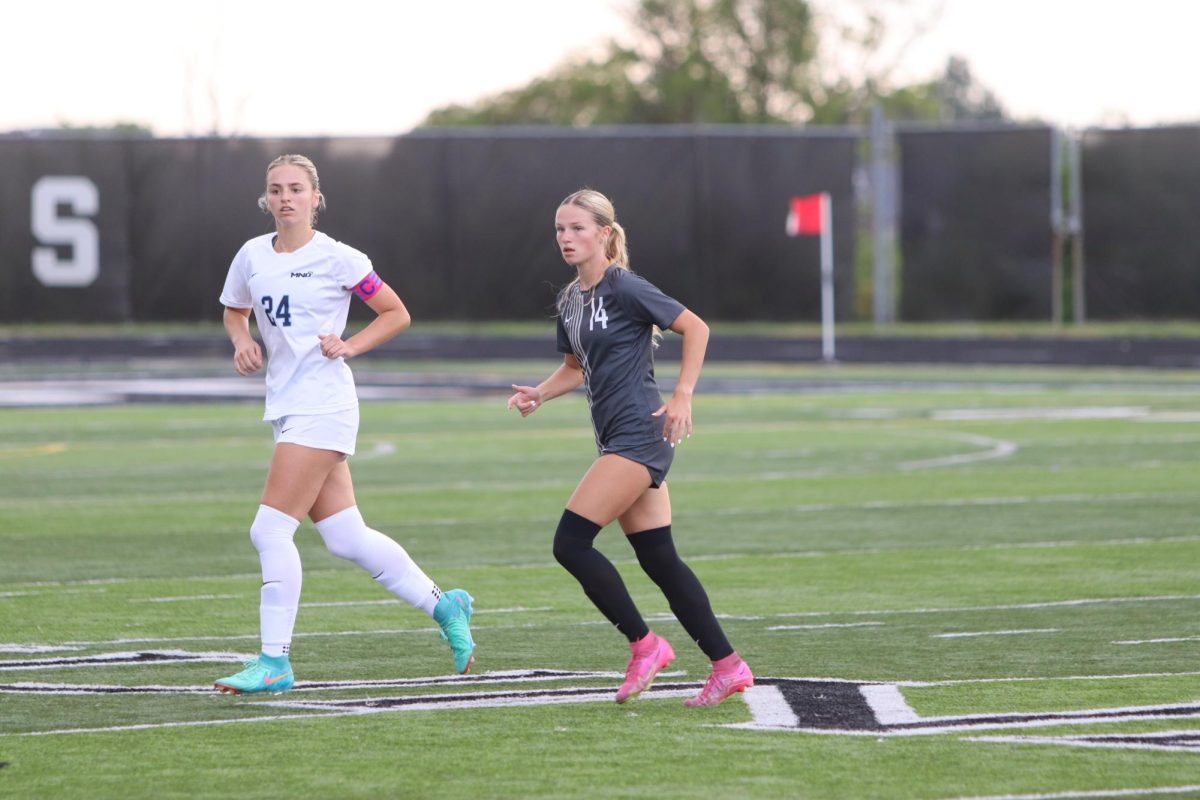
(236,293)
(352,266)
(644,301)
(564,343)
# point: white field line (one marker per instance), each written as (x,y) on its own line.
(823,625)
(188,599)
(391,601)
(986,502)
(57,586)
(661,616)
(177,498)
(887,704)
(1085,793)
(1161,641)
(192,724)
(235,637)
(513,610)
(993,448)
(1037,414)
(1049,679)
(768,705)
(52,689)
(651,617)
(1174,416)
(120,659)
(993,633)
(523,676)
(336,604)
(602,696)
(489,700)
(1167,598)
(395,601)
(238,576)
(1115,741)
(964,724)
(297,635)
(853,552)
(28,593)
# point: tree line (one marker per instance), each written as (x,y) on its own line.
(732,62)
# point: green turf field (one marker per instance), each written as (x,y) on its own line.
(950,583)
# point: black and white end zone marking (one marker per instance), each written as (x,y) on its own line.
(879,709)
(819,706)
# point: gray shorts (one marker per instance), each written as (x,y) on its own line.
(656,457)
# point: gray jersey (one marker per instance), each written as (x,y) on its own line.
(608,328)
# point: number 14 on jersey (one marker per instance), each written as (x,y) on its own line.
(598,315)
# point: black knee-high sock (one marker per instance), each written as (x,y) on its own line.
(599,578)
(687,598)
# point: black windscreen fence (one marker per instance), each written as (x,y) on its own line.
(975,233)
(461,223)
(66,249)
(1141,197)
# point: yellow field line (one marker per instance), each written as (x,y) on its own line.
(50,449)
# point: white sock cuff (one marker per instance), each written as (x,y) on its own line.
(351,517)
(275,517)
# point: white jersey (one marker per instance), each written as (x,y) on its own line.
(296,297)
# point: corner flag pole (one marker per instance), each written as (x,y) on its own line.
(827,346)
(812,215)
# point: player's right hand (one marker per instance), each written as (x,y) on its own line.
(526,400)
(247,358)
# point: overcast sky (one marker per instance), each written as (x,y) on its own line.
(352,67)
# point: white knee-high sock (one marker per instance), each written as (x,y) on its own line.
(348,537)
(273,535)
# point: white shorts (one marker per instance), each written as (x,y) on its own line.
(337,431)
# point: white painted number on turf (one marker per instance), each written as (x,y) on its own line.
(81,266)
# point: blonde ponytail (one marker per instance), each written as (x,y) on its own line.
(616,250)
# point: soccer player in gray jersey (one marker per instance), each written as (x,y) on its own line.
(608,318)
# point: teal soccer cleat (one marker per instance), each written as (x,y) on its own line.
(453,615)
(261,674)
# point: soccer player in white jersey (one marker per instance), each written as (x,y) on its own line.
(299,283)
(607,320)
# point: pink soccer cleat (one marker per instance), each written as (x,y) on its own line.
(649,654)
(729,676)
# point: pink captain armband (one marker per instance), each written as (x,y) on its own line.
(368,287)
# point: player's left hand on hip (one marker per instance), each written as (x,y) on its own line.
(677,426)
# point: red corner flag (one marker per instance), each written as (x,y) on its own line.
(804,216)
